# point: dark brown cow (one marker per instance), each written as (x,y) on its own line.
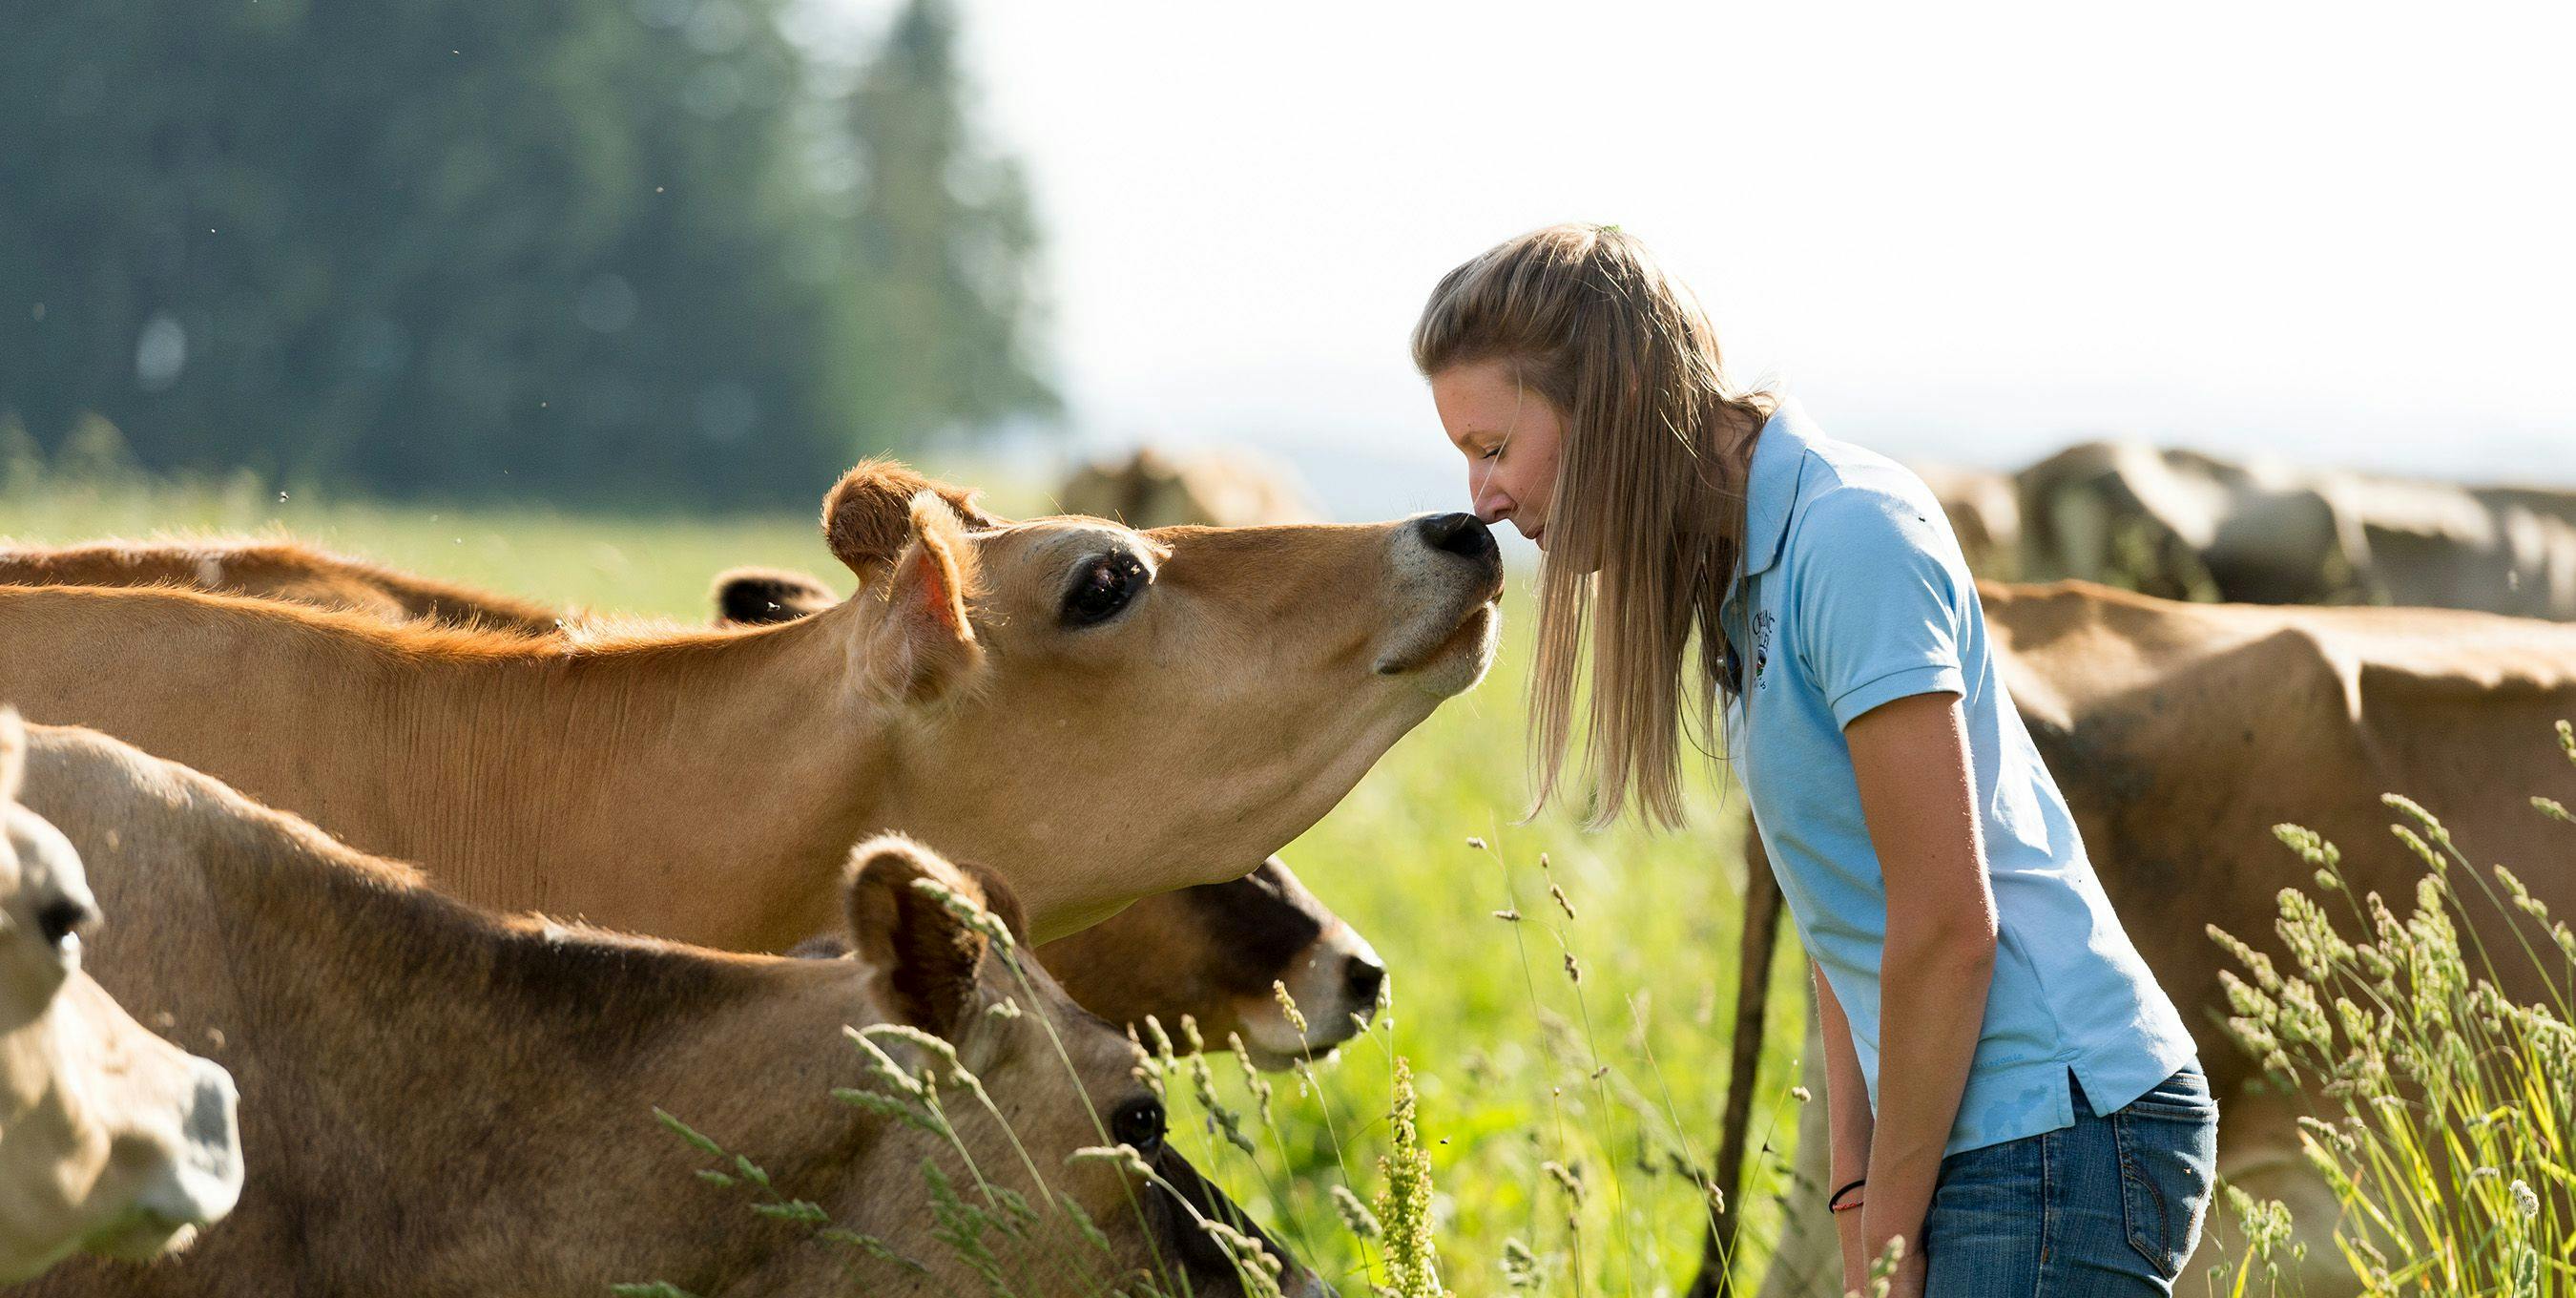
(438,1101)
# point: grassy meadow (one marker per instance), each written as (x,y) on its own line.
(1565,1119)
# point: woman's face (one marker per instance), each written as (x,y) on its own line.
(1510,436)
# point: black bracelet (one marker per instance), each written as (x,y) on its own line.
(1834,1203)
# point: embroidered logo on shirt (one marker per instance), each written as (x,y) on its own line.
(1762,648)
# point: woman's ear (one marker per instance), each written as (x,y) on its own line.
(867,515)
(921,644)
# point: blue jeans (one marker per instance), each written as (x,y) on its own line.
(2110,1206)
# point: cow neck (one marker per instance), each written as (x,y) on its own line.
(705,789)
(398,1037)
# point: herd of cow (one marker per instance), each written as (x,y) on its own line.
(433,1095)
(337,798)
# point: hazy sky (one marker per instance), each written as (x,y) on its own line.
(2342,232)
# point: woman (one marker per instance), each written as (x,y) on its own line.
(2023,1106)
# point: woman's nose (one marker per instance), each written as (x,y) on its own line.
(1492,505)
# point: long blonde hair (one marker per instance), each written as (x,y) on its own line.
(1648,512)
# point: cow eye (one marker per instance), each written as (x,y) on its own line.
(62,920)
(1102,588)
(1139,1123)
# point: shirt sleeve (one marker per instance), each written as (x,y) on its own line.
(1878,602)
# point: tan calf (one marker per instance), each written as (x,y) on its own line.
(112,1141)
(1101,713)
(438,1101)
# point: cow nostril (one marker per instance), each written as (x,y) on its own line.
(1464,535)
(1365,978)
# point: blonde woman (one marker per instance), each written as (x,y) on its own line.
(2021,1103)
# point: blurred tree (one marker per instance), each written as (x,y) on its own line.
(439,246)
(947,239)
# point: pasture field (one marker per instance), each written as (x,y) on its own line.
(1568,1053)
(1567,1117)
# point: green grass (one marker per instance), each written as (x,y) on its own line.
(1615,1080)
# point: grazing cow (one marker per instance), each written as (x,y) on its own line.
(2185,525)
(1152,488)
(1216,949)
(1984,509)
(1101,713)
(275,570)
(112,1140)
(1217,954)
(440,1101)
(2181,733)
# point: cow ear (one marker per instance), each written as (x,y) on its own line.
(13,755)
(921,644)
(867,517)
(764,596)
(913,918)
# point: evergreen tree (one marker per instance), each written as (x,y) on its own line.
(947,239)
(449,246)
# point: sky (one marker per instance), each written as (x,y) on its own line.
(1965,232)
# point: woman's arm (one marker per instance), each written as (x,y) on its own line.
(1846,1120)
(1910,758)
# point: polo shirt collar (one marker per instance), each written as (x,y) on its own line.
(1771,486)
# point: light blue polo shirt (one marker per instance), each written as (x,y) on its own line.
(1852,592)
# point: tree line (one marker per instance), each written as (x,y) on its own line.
(621,249)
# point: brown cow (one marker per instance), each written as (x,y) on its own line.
(439,1100)
(1211,953)
(1218,948)
(112,1141)
(1155,488)
(1022,693)
(1216,955)
(275,570)
(2182,733)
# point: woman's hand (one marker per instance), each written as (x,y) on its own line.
(1918,794)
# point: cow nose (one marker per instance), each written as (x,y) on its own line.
(1365,978)
(1464,535)
(203,1181)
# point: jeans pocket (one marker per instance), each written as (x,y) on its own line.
(2168,1142)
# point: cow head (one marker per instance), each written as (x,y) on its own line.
(1104,713)
(111,1140)
(1217,953)
(941,944)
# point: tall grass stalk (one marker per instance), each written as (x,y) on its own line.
(2446,1111)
